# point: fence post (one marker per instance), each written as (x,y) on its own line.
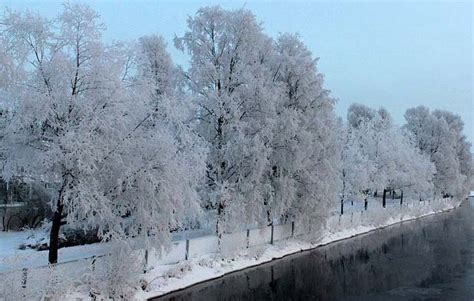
(248,238)
(91,294)
(384,198)
(93,263)
(271,237)
(146,262)
(186,255)
(24,276)
(293,229)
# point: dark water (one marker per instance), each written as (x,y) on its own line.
(428,259)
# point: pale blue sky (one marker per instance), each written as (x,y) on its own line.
(396,54)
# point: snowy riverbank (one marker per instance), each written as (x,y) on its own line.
(205,268)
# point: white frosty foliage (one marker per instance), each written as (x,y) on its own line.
(266,116)
(229,78)
(439,135)
(304,145)
(378,155)
(116,159)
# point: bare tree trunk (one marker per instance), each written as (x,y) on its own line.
(219,222)
(4,219)
(54,234)
(56,225)
(343,190)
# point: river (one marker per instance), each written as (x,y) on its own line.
(431,258)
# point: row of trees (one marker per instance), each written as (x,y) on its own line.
(135,146)
(378,155)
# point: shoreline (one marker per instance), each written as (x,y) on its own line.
(302,247)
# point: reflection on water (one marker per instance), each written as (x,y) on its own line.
(427,259)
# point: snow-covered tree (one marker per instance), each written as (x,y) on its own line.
(378,155)
(358,173)
(406,168)
(361,173)
(472,172)
(155,67)
(439,135)
(304,159)
(230,79)
(462,147)
(112,163)
(160,82)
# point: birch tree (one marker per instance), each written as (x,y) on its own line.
(304,158)
(381,156)
(229,78)
(439,135)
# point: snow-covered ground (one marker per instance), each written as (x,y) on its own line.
(13,258)
(10,241)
